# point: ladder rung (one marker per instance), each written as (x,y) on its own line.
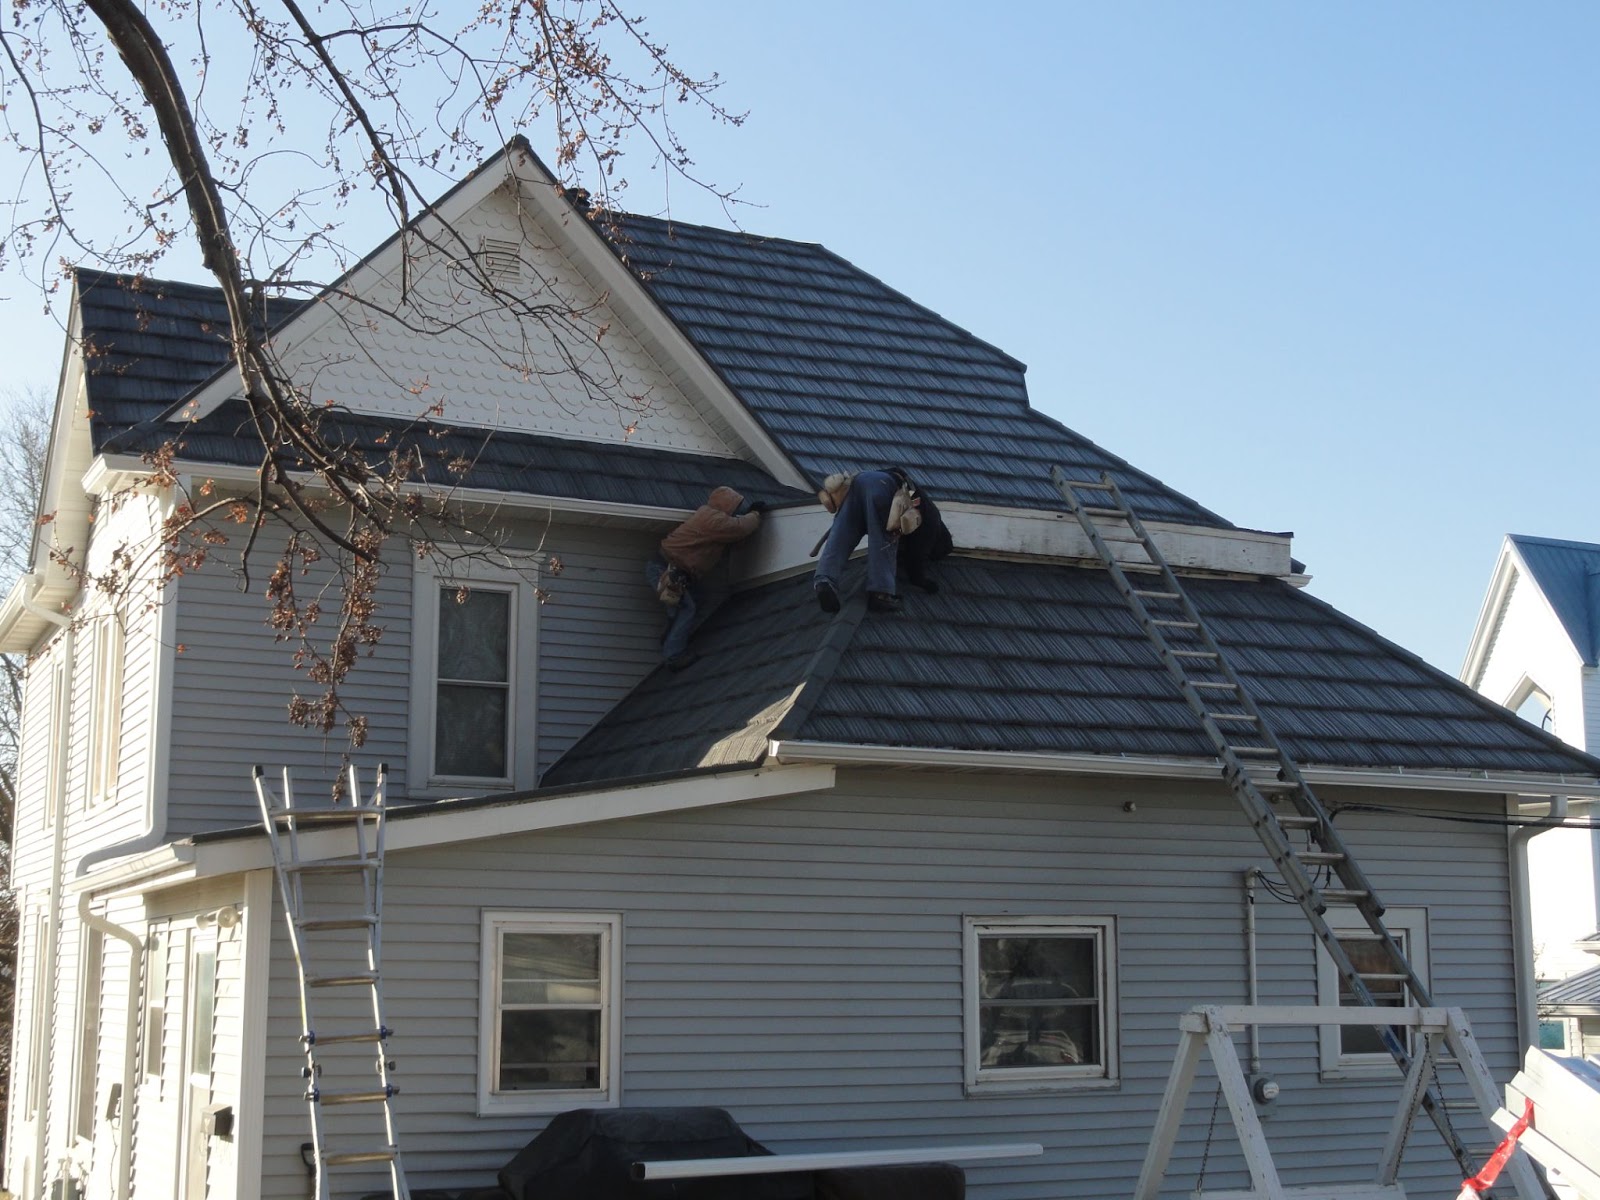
(336,922)
(1345,895)
(335,1039)
(325,816)
(1376,978)
(358,978)
(1295,820)
(1156,595)
(360,1156)
(327,866)
(377,1097)
(1193,653)
(1104,512)
(1174,624)
(1116,537)
(1084,483)
(1212,683)
(1253,750)
(1321,858)
(1231,717)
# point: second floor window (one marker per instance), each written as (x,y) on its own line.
(105,732)
(473,726)
(473,702)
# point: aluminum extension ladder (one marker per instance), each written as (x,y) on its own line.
(303,846)
(1324,873)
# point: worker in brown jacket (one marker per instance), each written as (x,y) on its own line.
(687,554)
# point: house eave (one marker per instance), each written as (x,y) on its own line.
(1154,767)
(446,823)
(116,472)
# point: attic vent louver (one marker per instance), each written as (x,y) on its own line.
(500,261)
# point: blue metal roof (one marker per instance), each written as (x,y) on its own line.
(1580,991)
(1568,573)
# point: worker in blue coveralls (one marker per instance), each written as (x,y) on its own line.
(860,504)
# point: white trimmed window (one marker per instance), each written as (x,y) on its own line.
(550,1022)
(1041,1002)
(473,677)
(105,730)
(1355,1051)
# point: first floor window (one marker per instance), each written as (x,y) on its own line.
(1360,1049)
(1041,1002)
(550,1017)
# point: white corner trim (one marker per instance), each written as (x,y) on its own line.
(843,754)
(453,823)
(251,1102)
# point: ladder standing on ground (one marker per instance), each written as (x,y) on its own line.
(1322,875)
(360,909)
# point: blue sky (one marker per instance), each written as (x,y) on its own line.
(1329,269)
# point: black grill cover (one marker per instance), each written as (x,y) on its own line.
(587,1154)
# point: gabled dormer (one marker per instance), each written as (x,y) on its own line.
(1536,647)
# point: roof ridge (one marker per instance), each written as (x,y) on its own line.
(1566,543)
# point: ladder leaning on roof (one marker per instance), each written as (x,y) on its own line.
(1325,873)
(360,868)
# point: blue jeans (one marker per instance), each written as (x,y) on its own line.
(680,616)
(864,511)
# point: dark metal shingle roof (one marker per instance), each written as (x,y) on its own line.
(1568,573)
(1039,658)
(847,373)
(503,460)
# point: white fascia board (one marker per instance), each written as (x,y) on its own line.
(117,470)
(450,824)
(1153,767)
(1050,534)
(1494,602)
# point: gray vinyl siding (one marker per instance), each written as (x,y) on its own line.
(598,634)
(798,961)
(232,686)
(599,631)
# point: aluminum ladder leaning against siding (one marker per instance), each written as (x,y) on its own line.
(1324,873)
(350,884)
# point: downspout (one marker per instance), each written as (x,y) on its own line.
(61,738)
(1522,921)
(130,1038)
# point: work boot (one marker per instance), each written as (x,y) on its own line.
(883,602)
(828,597)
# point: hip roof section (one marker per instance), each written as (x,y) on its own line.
(846,373)
(1041,658)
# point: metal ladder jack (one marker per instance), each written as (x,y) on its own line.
(302,840)
(1325,873)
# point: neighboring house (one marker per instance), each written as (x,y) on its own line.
(1536,650)
(827,877)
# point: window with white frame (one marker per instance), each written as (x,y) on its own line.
(1041,1002)
(105,730)
(473,680)
(550,1021)
(1358,1050)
